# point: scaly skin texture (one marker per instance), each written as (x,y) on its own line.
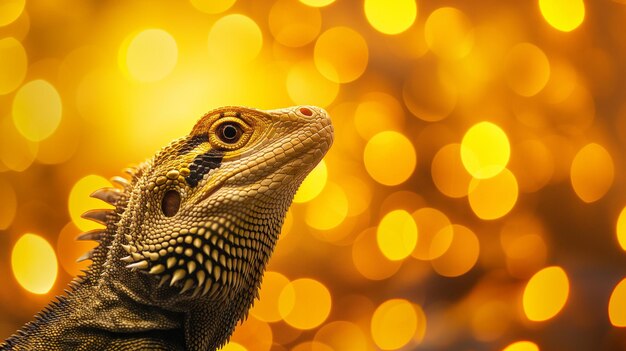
(183,253)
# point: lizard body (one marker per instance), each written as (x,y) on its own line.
(182,256)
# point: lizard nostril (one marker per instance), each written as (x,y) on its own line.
(170,203)
(305,111)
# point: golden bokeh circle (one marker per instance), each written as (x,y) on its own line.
(390,17)
(545,294)
(389,158)
(341,54)
(34,263)
(13,62)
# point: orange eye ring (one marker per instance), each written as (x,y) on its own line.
(229,133)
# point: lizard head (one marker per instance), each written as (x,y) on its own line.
(206,211)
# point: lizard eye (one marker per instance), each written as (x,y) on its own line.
(229,132)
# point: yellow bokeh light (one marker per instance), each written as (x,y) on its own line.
(34,263)
(527,69)
(620,229)
(376,113)
(592,172)
(448,172)
(617,305)
(397,235)
(305,85)
(9,204)
(329,209)
(13,62)
(342,335)
(390,17)
(37,110)
(389,158)
(234,40)
(461,254)
(69,249)
(395,323)
(313,184)
(369,260)
(305,303)
(293,24)
(449,33)
(10,10)
(485,150)
(494,197)
(79,201)
(341,54)
(317,3)
(232,346)
(545,294)
(522,346)
(149,55)
(564,15)
(431,223)
(266,308)
(212,6)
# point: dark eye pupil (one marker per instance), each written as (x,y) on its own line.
(229,132)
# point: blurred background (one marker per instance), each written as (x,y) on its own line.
(474,198)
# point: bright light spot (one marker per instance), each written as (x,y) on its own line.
(545,294)
(317,3)
(342,335)
(304,303)
(389,158)
(13,62)
(461,255)
(10,10)
(150,55)
(395,323)
(79,201)
(212,6)
(293,24)
(234,40)
(617,305)
(341,54)
(329,209)
(305,85)
(485,150)
(9,204)
(448,172)
(564,15)
(390,17)
(620,229)
(449,33)
(397,235)
(522,346)
(232,346)
(431,223)
(69,250)
(266,307)
(37,110)
(34,263)
(313,184)
(527,69)
(592,172)
(494,197)
(369,260)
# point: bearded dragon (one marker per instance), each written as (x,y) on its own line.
(182,256)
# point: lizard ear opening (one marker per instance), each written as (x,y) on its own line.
(170,203)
